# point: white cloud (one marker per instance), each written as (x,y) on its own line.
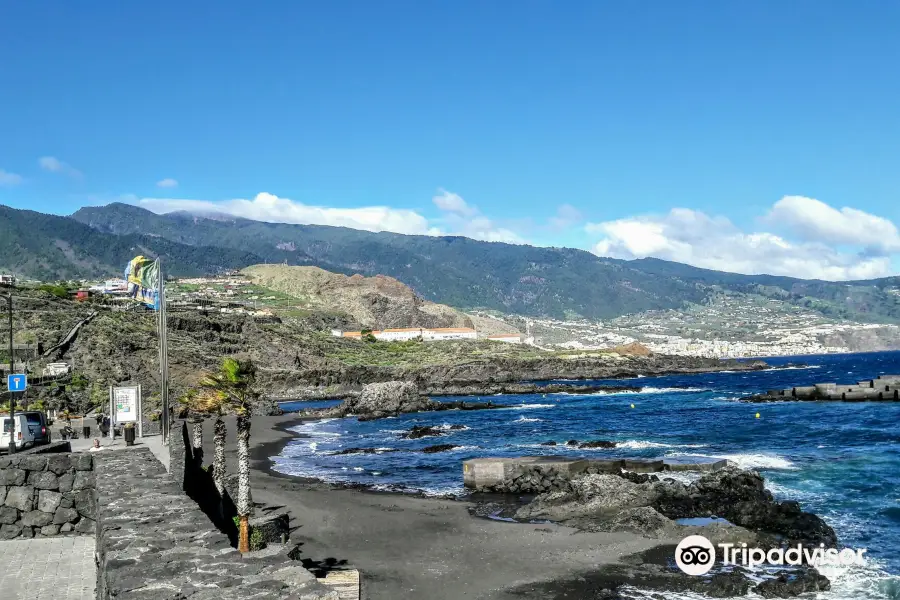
(714,242)
(168,182)
(54,165)
(453,203)
(814,220)
(460,218)
(9,179)
(457,217)
(270,208)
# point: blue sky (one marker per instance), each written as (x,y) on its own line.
(750,136)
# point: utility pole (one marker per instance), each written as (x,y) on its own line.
(12,394)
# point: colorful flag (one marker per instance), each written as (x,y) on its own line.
(142,275)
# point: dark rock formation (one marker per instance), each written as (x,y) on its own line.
(597,444)
(489,389)
(387,399)
(363,451)
(595,501)
(420,431)
(438,448)
(741,498)
(790,584)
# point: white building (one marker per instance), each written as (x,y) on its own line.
(508,338)
(399,335)
(54,369)
(449,333)
(111,286)
(7,280)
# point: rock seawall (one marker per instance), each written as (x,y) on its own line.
(44,494)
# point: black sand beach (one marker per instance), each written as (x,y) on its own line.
(421,548)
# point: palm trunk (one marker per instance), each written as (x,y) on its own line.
(219,432)
(197,442)
(243,499)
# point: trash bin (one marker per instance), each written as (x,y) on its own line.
(86,431)
(129,436)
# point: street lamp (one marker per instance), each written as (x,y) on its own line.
(12,398)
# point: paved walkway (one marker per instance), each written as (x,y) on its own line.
(153,442)
(60,568)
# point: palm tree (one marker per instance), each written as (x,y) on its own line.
(234,384)
(214,402)
(197,411)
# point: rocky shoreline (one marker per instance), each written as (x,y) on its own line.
(735,501)
(392,398)
(497,375)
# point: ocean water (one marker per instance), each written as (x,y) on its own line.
(839,460)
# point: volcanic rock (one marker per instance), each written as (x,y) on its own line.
(597,444)
(439,448)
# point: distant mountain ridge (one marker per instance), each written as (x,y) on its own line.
(458,271)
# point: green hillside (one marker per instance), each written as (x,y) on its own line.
(461,272)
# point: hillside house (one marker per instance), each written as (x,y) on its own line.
(507,338)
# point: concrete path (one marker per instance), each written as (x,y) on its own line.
(61,568)
(153,442)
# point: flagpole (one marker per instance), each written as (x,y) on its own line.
(163,354)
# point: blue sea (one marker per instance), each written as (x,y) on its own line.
(839,460)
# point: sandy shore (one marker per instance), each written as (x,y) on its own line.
(420,548)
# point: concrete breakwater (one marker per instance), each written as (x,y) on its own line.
(884,388)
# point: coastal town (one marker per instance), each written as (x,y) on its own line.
(728,326)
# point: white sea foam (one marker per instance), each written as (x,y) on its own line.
(526,420)
(461,449)
(312,429)
(531,406)
(749,460)
(643,445)
(671,390)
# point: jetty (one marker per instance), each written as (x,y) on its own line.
(884,388)
(493,473)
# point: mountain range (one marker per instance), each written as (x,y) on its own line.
(461,272)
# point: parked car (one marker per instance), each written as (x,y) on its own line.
(40,428)
(24,437)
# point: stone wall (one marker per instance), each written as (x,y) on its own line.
(47,492)
(154,542)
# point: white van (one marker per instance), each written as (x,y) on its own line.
(24,435)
